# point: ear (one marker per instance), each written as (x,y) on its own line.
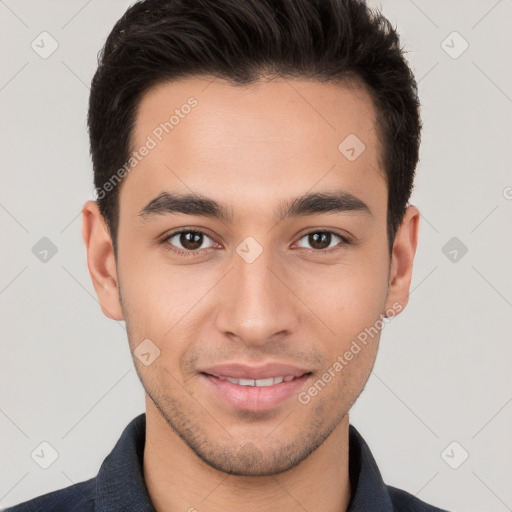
(100,260)
(402,258)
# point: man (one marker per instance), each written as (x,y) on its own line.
(253,164)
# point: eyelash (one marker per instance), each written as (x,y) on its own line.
(181,252)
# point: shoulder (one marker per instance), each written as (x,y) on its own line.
(405,502)
(78,497)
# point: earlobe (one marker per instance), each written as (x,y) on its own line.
(100,260)
(402,259)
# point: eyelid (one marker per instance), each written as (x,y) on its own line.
(345,240)
(168,246)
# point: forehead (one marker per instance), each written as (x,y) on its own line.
(262,109)
(282,135)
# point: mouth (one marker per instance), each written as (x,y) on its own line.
(254,395)
(270,381)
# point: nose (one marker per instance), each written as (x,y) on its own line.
(257,305)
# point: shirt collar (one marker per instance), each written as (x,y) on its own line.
(120,482)
(369,492)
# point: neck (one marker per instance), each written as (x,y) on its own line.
(177,479)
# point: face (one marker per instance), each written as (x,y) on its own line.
(248,237)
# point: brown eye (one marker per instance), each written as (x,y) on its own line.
(321,240)
(188,240)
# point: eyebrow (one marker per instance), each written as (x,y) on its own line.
(338,201)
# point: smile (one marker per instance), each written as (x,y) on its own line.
(271,381)
(254,394)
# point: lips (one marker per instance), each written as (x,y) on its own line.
(245,394)
(270,381)
(246,373)
(254,388)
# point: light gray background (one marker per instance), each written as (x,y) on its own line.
(443,371)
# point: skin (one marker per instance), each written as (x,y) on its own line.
(251,149)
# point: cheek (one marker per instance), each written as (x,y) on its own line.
(150,296)
(161,300)
(348,297)
(352,309)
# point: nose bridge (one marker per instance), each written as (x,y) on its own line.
(256,305)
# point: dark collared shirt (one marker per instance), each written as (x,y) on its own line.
(120,487)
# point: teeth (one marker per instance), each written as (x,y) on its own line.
(259,382)
(265,382)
